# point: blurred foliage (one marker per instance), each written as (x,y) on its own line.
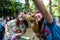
(32,6)
(12,6)
(8,7)
(55,9)
(54,2)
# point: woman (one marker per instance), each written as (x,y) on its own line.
(36,23)
(16,28)
(4,23)
(7,19)
(50,28)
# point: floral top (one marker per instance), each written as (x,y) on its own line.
(12,28)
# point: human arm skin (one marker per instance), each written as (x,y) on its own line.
(39,4)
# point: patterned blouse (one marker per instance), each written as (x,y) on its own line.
(12,27)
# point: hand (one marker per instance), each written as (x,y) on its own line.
(8,35)
(18,34)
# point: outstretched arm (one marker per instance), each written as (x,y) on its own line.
(39,4)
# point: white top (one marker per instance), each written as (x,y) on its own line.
(12,26)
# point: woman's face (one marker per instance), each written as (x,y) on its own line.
(8,18)
(38,16)
(20,17)
(22,14)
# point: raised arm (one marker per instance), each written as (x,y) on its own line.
(39,4)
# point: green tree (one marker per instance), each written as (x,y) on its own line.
(10,7)
(32,6)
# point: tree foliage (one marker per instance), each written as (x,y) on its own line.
(32,6)
(56,9)
(8,7)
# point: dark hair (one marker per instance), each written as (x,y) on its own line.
(7,19)
(24,21)
(21,11)
(40,23)
(37,11)
(17,22)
